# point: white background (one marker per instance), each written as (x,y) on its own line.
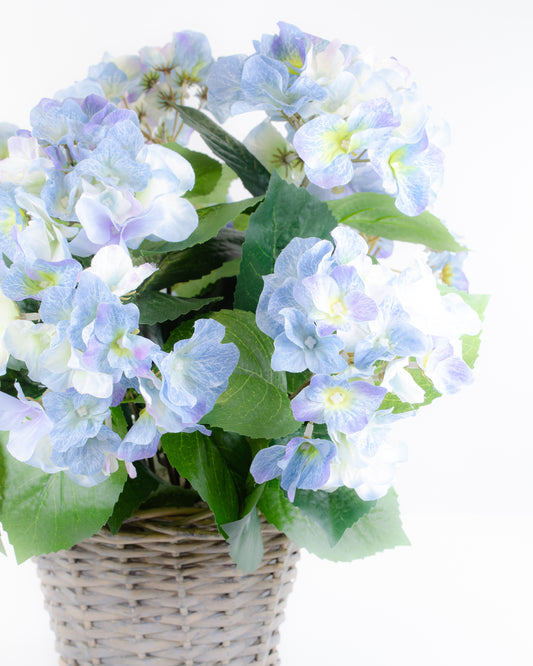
(461,593)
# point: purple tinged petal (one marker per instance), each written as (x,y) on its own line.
(265,465)
(319,141)
(306,464)
(342,405)
(337,173)
(141,440)
(26,423)
(96,221)
(224,85)
(361,306)
(169,218)
(374,114)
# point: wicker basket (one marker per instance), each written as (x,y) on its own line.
(165,592)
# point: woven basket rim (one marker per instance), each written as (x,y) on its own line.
(172,514)
(196,521)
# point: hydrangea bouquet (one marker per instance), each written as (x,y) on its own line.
(241,324)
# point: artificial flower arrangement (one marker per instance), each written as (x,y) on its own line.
(164,342)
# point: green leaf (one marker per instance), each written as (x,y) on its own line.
(287,212)
(470,349)
(169,495)
(378,529)
(255,404)
(198,459)
(377,215)
(218,194)
(44,513)
(207,171)
(118,421)
(211,220)
(430,394)
(245,541)
(244,535)
(197,261)
(183,331)
(155,307)
(252,173)
(478,303)
(235,449)
(297,380)
(134,493)
(196,287)
(335,512)
(17,372)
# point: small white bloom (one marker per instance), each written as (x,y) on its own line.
(113,265)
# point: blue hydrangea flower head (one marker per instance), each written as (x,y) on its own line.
(266,85)
(289,47)
(197,371)
(328,144)
(448,266)
(366,460)
(27,425)
(193,56)
(340,404)
(75,418)
(115,347)
(299,347)
(411,172)
(302,463)
(91,463)
(336,300)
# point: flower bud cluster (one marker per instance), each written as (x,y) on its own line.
(353,124)
(358,329)
(152,81)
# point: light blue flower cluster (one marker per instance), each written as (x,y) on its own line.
(152,81)
(357,327)
(83,183)
(88,354)
(355,125)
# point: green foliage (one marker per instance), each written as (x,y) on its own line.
(197,287)
(219,193)
(119,422)
(235,449)
(44,513)
(287,212)
(170,495)
(377,215)
(253,174)
(376,530)
(335,512)
(244,535)
(295,380)
(470,349)
(471,343)
(245,541)
(207,171)
(196,261)
(255,404)
(198,459)
(17,372)
(399,407)
(155,307)
(134,493)
(211,220)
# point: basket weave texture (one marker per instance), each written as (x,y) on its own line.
(165,592)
